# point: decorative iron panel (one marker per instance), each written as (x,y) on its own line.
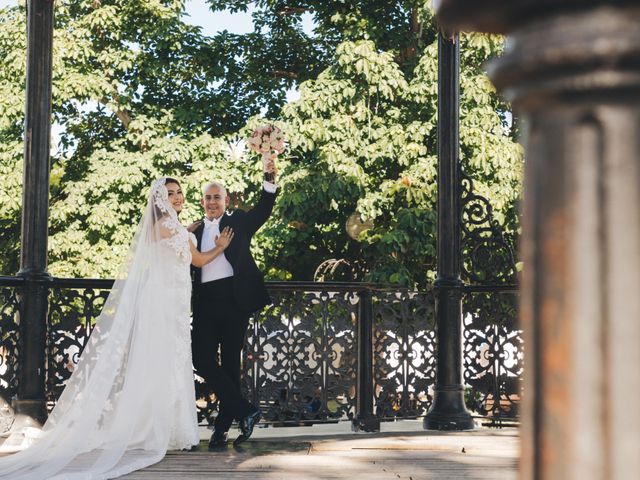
(404,353)
(72,315)
(9,344)
(298,364)
(492,353)
(487,255)
(492,342)
(299,361)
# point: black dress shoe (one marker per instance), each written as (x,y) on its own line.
(218,440)
(246,426)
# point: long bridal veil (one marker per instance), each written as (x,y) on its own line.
(125,403)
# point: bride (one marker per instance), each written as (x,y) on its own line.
(131,397)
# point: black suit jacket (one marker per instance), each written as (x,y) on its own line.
(249,289)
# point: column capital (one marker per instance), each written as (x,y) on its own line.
(557,50)
(502,16)
(571,58)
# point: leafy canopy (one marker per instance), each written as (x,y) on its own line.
(138,94)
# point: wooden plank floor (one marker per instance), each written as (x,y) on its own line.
(412,454)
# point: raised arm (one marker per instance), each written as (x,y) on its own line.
(198,258)
(259,214)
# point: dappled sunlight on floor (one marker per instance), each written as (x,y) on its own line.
(325,453)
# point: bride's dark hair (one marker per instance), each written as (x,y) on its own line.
(171,180)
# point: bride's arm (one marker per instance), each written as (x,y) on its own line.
(199,258)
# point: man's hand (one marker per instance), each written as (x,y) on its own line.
(225,237)
(192,228)
(270,169)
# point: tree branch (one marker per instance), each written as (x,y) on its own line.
(283,74)
(291,10)
(122,113)
(416,25)
(124,116)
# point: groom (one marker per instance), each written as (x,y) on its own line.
(226,292)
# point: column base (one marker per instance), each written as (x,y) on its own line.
(34,409)
(448,422)
(365,423)
(448,411)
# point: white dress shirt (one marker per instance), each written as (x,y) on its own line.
(270,187)
(219,267)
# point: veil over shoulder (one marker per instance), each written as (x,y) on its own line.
(131,396)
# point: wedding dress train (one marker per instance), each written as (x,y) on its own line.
(131,397)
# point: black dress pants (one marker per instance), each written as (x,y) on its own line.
(218,323)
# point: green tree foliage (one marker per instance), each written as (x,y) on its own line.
(139,94)
(363,145)
(12,73)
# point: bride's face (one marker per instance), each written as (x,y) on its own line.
(176,198)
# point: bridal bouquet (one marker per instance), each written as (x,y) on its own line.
(267,140)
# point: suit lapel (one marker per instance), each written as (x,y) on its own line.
(224,221)
(198,233)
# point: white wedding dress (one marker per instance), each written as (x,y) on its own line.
(131,397)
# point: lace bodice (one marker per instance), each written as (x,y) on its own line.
(177,253)
(178,240)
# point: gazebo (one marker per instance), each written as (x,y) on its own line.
(447,410)
(576,89)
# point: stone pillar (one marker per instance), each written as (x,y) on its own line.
(572,71)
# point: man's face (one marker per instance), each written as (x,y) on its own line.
(176,198)
(215,202)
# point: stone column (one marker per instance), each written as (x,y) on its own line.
(572,71)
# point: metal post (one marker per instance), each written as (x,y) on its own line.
(30,399)
(448,411)
(365,420)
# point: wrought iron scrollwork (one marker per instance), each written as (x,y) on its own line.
(72,315)
(493,354)
(9,343)
(404,353)
(488,256)
(492,341)
(299,360)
